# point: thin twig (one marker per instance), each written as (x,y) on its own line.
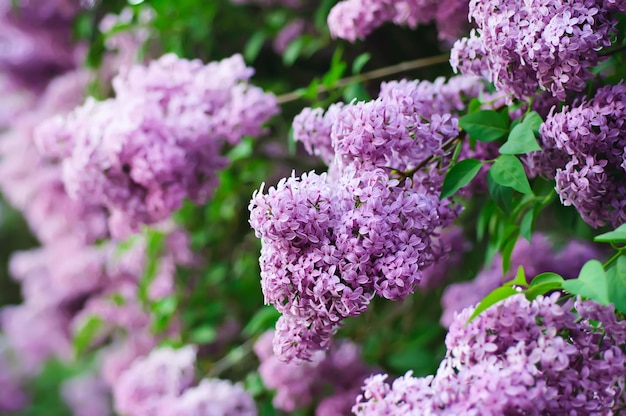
(375,74)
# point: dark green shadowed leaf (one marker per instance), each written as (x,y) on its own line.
(616,277)
(491,299)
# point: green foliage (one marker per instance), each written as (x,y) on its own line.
(507,170)
(458,176)
(485,125)
(592,283)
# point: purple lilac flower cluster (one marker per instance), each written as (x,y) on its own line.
(86,395)
(585,145)
(332,242)
(298,385)
(522,45)
(159,140)
(162,383)
(537,256)
(518,357)
(355,19)
(36,40)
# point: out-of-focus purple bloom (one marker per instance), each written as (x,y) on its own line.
(36,40)
(13,396)
(159,141)
(86,395)
(212,397)
(339,370)
(150,381)
(355,19)
(517,357)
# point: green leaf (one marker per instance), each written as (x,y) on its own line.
(533,121)
(485,125)
(520,278)
(616,236)
(547,277)
(507,170)
(526,225)
(293,51)
(592,283)
(491,299)
(82,340)
(521,140)
(264,319)
(460,175)
(474,105)
(203,335)
(360,61)
(355,91)
(483,220)
(616,277)
(253,46)
(502,195)
(539,290)
(508,244)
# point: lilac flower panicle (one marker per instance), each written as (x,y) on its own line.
(333,241)
(525,46)
(159,140)
(589,137)
(518,357)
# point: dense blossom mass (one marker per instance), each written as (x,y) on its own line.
(159,140)
(589,139)
(523,46)
(332,242)
(162,383)
(355,19)
(518,357)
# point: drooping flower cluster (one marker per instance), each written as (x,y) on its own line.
(333,241)
(355,19)
(159,140)
(525,45)
(162,383)
(518,357)
(298,385)
(537,256)
(590,162)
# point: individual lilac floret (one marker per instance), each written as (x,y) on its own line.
(538,256)
(591,137)
(340,369)
(151,381)
(355,19)
(86,395)
(212,397)
(538,44)
(518,357)
(158,141)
